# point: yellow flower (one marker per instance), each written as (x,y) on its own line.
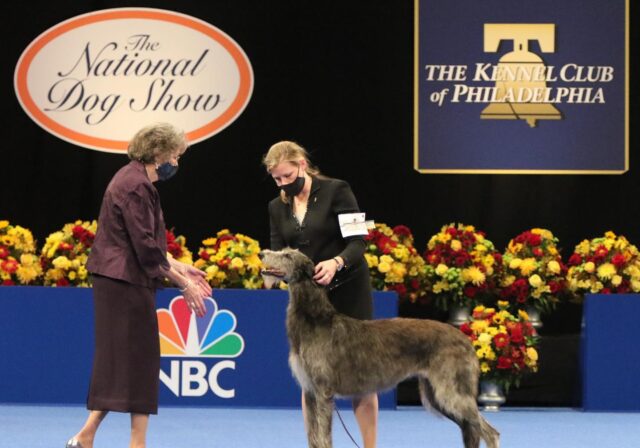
(456,245)
(484,367)
(441,269)
(478,326)
(523,314)
(473,275)
(528,266)
(503,304)
(589,267)
(606,271)
(484,338)
(372,260)
(508,280)
(553,267)
(61,262)
(532,354)
(384,267)
(72,275)
(535,280)
(440,286)
(3,224)
(515,263)
(500,317)
(635,285)
(596,287)
(616,280)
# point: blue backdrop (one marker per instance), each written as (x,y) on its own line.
(46,348)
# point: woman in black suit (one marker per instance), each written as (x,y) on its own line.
(305,217)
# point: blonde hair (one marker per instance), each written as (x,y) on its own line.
(288,151)
(154,140)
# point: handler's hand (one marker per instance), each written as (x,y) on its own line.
(325,271)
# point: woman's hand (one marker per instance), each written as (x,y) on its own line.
(192,284)
(198,277)
(325,271)
(195,298)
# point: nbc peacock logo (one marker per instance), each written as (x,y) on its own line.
(183,335)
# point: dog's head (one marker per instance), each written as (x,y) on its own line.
(289,265)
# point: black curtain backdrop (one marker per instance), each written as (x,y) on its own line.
(336,77)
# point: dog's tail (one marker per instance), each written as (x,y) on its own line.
(461,409)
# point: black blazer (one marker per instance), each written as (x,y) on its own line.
(319,235)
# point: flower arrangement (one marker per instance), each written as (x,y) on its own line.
(605,265)
(230,261)
(19,264)
(532,270)
(462,266)
(177,247)
(65,252)
(394,263)
(504,343)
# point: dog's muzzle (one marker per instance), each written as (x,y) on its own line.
(271,276)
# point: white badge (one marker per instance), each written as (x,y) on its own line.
(352,224)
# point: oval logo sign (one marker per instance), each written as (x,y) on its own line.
(95,79)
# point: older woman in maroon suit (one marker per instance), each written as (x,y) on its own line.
(128,262)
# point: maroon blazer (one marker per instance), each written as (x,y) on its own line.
(131,242)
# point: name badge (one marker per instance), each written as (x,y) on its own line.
(352,224)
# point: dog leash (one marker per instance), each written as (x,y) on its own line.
(345,426)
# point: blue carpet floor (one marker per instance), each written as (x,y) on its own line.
(49,427)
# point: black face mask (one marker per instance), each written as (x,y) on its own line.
(166,171)
(294,188)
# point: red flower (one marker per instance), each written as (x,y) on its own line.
(501,340)
(534,239)
(466,329)
(554,286)
(415,284)
(401,230)
(62,282)
(452,231)
(618,260)
(9,266)
(204,255)
(470,291)
(400,289)
(515,330)
(4,252)
(504,363)
(601,253)
(575,260)
(538,252)
(7,283)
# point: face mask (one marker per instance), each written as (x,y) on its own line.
(294,187)
(166,171)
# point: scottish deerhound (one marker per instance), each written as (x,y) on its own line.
(334,355)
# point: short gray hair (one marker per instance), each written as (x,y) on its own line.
(154,140)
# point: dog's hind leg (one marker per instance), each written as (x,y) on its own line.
(319,412)
(457,404)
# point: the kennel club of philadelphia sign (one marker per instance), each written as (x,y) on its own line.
(95,79)
(533,86)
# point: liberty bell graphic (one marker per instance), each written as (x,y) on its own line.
(520,75)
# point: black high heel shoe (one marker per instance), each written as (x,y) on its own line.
(73,443)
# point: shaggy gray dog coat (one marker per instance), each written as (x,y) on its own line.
(334,355)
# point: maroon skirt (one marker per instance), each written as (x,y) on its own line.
(126,363)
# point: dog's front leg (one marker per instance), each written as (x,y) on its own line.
(319,412)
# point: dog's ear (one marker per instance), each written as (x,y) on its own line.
(306,268)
